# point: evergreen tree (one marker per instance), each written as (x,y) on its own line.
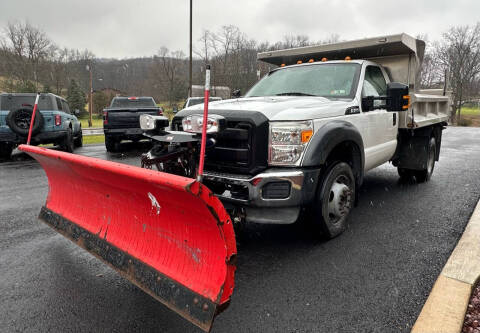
(75,97)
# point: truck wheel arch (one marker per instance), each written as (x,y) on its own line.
(339,140)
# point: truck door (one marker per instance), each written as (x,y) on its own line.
(381,131)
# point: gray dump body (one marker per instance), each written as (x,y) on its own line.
(401,55)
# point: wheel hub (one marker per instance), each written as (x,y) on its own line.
(339,201)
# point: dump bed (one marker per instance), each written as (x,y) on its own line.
(401,55)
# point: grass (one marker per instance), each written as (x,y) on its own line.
(97,121)
(92,139)
(168,110)
(470,111)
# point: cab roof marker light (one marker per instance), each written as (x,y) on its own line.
(299,62)
(324,59)
(311,60)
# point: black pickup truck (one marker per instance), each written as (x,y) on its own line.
(121,119)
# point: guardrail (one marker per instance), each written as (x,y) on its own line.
(92,131)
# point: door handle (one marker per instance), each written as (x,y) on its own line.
(394,119)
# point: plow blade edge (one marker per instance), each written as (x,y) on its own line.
(167,234)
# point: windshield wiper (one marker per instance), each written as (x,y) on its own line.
(293,93)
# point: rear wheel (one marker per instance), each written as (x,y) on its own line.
(5,150)
(335,199)
(111,143)
(405,173)
(79,139)
(425,174)
(67,144)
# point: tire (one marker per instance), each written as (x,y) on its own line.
(78,142)
(67,144)
(19,121)
(405,173)
(425,174)
(334,200)
(110,144)
(5,150)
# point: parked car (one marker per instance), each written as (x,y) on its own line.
(191,101)
(121,119)
(54,123)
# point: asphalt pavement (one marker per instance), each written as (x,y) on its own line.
(373,278)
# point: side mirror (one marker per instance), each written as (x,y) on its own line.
(236,93)
(368,103)
(77,112)
(398,98)
(175,109)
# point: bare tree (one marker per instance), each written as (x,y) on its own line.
(459,53)
(169,72)
(25,47)
(431,74)
(205,46)
(291,41)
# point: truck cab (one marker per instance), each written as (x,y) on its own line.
(300,141)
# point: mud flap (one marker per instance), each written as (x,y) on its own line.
(167,234)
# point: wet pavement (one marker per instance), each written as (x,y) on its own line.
(373,278)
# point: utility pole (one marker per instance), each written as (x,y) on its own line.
(90,102)
(91,99)
(190,65)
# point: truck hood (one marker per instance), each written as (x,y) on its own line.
(282,107)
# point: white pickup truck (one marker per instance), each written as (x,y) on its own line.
(300,141)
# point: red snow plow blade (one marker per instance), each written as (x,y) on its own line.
(167,234)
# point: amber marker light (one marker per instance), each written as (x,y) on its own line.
(299,62)
(407,98)
(311,60)
(324,59)
(306,135)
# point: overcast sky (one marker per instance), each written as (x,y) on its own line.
(135,28)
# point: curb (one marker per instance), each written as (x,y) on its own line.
(445,308)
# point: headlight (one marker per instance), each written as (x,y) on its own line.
(288,141)
(149,122)
(194,123)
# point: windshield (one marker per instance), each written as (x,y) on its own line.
(327,80)
(12,102)
(139,102)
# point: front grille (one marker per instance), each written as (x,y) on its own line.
(232,146)
(242,147)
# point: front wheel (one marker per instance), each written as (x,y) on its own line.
(67,144)
(335,199)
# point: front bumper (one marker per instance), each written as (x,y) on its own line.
(42,137)
(250,193)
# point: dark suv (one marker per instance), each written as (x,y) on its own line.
(54,123)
